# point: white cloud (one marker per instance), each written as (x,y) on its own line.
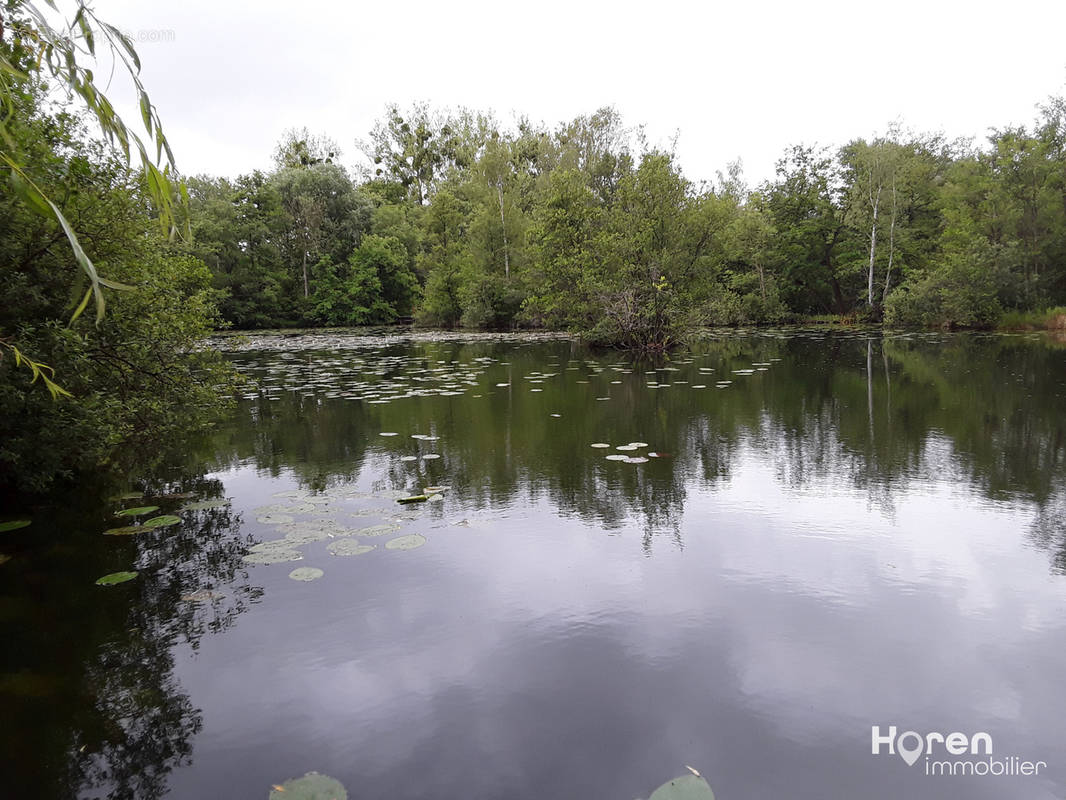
(737,80)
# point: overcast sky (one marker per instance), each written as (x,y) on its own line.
(737,80)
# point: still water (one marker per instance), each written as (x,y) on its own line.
(809,534)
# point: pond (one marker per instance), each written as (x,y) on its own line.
(740,559)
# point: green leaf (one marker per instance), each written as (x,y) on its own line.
(146,111)
(13,525)
(136,512)
(116,577)
(86,30)
(311,786)
(127,530)
(161,522)
(83,260)
(30,194)
(687,787)
(306,574)
(409,542)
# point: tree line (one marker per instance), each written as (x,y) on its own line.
(457,220)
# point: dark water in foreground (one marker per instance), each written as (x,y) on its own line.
(859,531)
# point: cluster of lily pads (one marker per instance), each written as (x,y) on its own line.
(152,523)
(376,379)
(315,786)
(328,517)
(626,448)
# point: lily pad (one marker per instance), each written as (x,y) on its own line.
(312,786)
(687,787)
(409,542)
(161,522)
(273,556)
(275,519)
(435,498)
(14,525)
(617,457)
(377,530)
(203,505)
(430,456)
(281,508)
(126,530)
(388,433)
(115,577)
(136,512)
(599,444)
(349,547)
(306,574)
(4,558)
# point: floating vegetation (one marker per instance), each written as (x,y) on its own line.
(617,457)
(290,493)
(408,458)
(435,489)
(306,574)
(203,505)
(116,577)
(281,508)
(687,787)
(161,522)
(312,786)
(430,456)
(306,536)
(14,525)
(435,498)
(349,547)
(273,552)
(127,496)
(136,512)
(4,558)
(126,530)
(377,530)
(409,542)
(388,433)
(599,444)
(274,519)
(323,525)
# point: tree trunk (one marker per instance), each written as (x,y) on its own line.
(891,243)
(503,226)
(875,201)
(306,285)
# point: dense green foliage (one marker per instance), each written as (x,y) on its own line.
(133,382)
(459,222)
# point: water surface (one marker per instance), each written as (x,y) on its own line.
(855,530)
